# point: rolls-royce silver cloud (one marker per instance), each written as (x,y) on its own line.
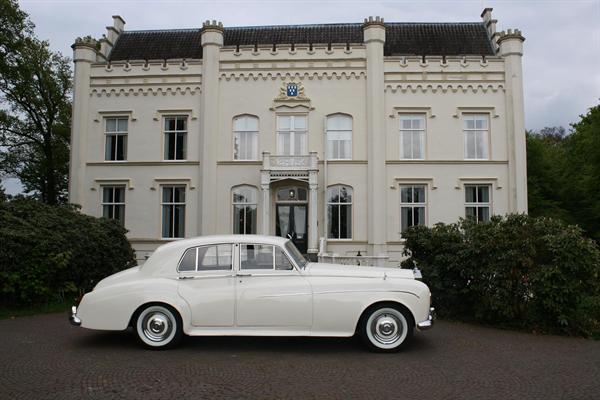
(252,285)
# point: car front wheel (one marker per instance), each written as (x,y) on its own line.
(158,327)
(386,328)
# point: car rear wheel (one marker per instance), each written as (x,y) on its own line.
(386,328)
(158,327)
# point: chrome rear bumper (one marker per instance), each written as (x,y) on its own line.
(428,323)
(73,318)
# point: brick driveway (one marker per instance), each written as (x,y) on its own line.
(44,357)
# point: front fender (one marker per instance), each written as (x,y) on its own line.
(111,307)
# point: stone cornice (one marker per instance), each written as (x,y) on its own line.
(247,75)
(144,91)
(445,87)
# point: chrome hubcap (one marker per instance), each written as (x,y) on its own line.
(157,326)
(387,328)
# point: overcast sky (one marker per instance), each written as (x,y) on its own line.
(562,46)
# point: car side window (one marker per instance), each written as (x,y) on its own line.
(214,258)
(265,257)
(256,256)
(188,261)
(282,262)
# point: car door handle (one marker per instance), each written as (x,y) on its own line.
(186,277)
(242,275)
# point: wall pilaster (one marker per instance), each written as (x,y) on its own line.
(212,41)
(374,39)
(511,49)
(84,54)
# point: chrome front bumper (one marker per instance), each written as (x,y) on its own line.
(428,323)
(73,318)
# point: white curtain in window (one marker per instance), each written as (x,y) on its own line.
(245,137)
(339,137)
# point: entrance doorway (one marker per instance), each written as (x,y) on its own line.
(291,216)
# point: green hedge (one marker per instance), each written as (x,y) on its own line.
(533,273)
(53,253)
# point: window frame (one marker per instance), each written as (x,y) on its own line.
(209,272)
(116,134)
(328,140)
(412,205)
(487,135)
(173,204)
(114,204)
(271,271)
(477,205)
(292,132)
(245,204)
(423,136)
(339,205)
(255,137)
(165,131)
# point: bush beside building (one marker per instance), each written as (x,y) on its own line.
(53,253)
(518,271)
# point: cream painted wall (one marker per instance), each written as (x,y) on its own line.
(334,81)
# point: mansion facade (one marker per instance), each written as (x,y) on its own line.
(339,136)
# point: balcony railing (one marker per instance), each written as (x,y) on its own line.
(290,163)
(370,261)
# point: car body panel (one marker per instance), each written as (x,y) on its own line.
(317,300)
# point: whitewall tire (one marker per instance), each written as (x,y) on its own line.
(158,327)
(386,328)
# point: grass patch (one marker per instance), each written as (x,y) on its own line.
(8,312)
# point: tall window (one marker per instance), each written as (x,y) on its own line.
(244,210)
(173,211)
(245,137)
(115,130)
(412,137)
(339,137)
(476,130)
(291,135)
(477,202)
(113,203)
(412,206)
(339,212)
(175,137)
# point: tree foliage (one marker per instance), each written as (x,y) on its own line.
(35,88)
(536,273)
(50,253)
(564,173)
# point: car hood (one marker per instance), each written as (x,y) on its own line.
(322,269)
(119,277)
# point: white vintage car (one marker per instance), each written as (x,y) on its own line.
(255,286)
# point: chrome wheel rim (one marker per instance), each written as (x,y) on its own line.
(156,326)
(387,328)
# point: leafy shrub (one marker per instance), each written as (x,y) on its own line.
(535,273)
(50,252)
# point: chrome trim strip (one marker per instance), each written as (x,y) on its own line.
(366,290)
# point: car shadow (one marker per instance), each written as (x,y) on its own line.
(126,340)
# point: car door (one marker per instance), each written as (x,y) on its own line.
(207,283)
(270,290)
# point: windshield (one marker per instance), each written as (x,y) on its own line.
(295,254)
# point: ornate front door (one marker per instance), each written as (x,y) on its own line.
(291,216)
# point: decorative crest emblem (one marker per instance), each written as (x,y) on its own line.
(292,91)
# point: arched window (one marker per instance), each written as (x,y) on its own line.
(244,209)
(339,212)
(339,137)
(245,137)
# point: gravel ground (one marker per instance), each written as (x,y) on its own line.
(43,357)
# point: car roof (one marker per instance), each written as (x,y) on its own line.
(216,239)
(165,258)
